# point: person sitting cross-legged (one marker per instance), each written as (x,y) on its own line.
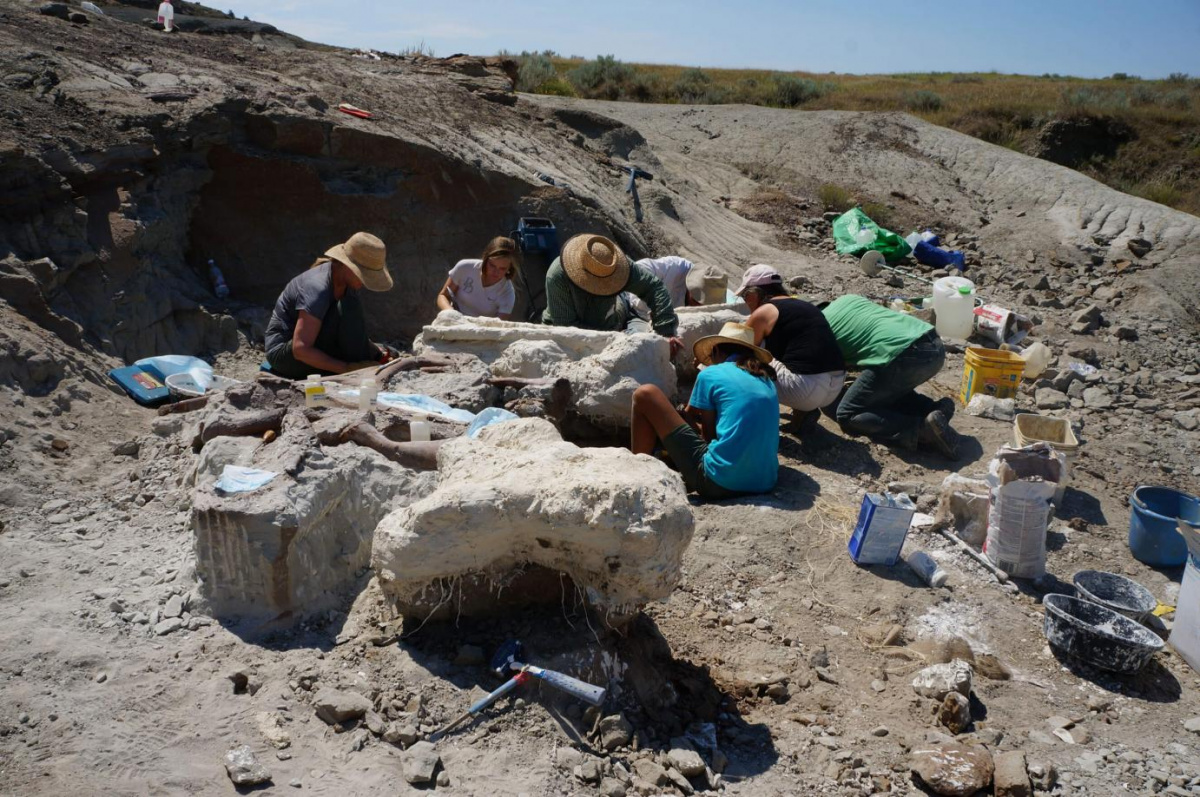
(726,442)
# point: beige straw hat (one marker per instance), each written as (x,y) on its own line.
(595,264)
(732,332)
(366,256)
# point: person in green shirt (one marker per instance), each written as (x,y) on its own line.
(895,353)
(584,286)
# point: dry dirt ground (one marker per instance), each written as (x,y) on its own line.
(768,655)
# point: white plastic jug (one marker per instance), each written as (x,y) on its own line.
(954,306)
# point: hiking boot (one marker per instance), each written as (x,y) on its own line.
(936,433)
(805,423)
(946,406)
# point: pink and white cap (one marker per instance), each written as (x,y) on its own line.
(757,276)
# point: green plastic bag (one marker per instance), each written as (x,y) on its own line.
(846,229)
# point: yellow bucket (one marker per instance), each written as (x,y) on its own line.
(993,372)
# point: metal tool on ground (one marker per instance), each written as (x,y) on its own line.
(631,187)
(1000,575)
(482,703)
(872,262)
(509,656)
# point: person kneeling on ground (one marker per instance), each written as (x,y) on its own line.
(584,286)
(483,287)
(808,362)
(896,353)
(728,445)
(318,325)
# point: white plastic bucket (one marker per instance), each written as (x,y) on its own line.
(1185,633)
(954,307)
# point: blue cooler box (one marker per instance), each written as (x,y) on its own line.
(882,526)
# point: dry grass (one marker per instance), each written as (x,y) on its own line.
(1162,163)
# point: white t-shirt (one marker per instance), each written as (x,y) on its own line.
(673,271)
(472,298)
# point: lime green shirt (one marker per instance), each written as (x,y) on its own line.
(869,334)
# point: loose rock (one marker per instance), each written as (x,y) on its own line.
(953,770)
(1011,778)
(334,706)
(615,731)
(420,763)
(244,769)
(939,680)
(955,713)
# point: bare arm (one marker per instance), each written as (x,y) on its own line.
(445,297)
(707,420)
(304,338)
(762,321)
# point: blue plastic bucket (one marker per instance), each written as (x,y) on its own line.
(1154,514)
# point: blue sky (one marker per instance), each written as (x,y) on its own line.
(1088,38)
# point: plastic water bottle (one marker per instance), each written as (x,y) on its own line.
(314,392)
(419,431)
(367,392)
(218,280)
(926,567)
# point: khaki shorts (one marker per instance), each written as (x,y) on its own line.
(687,448)
(807,391)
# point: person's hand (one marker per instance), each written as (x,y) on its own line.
(676,345)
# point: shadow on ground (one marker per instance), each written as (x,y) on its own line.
(663,696)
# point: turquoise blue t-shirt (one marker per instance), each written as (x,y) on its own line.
(745,454)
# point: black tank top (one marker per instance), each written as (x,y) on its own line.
(802,339)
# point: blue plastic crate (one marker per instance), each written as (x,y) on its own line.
(537,235)
(881,529)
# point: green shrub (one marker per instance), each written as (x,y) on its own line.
(692,86)
(602,78)
(1179,78)
(880,214)
(1160,192)
(557,87)
(534,70)
(923,101)
(1176,98)
(1142,94)
(1094,98)
(835,198)
(643,87)
(791,91)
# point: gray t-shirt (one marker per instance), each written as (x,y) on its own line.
(311,292)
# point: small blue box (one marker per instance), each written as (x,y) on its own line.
(537,235)
(882,527)
(145,385)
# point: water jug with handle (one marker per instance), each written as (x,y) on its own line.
(954,307)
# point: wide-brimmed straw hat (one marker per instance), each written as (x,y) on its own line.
(366,256)
(735,333)
(596,264)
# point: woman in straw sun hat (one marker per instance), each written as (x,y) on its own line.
(483,287)
(318,325)
(584,287)
(726,442)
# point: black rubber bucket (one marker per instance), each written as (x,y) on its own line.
(1115,592)
(1094,635)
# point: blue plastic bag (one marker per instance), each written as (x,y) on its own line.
(236,479)
(930,255)
(488,417)
(414,402)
